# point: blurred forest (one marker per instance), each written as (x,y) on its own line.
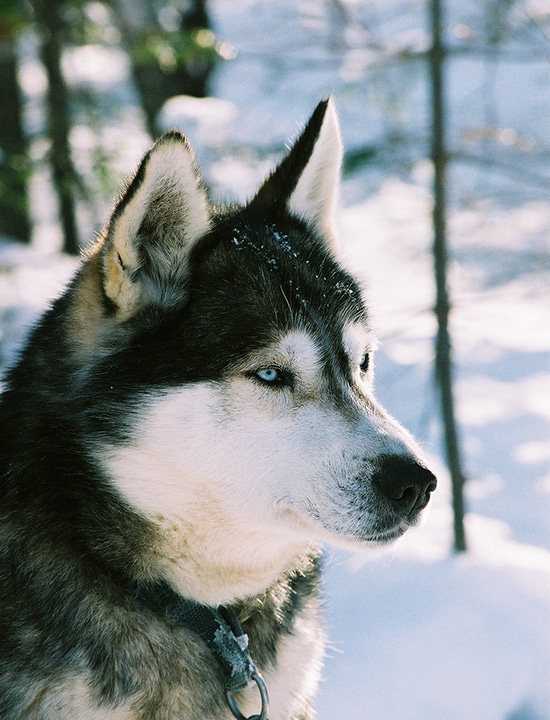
(173,49)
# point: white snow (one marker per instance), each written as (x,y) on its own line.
(416,632)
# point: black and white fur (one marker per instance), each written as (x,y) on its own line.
(197,408)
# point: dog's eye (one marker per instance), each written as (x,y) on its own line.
(272,376)
(269,375)
(364,365)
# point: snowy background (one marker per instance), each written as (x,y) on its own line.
(416,633)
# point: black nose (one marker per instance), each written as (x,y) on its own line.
(404,482)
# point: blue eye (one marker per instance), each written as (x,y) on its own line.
(273,377)
(269,375)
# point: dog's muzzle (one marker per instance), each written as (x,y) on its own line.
(405,483)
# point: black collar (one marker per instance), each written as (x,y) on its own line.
(218,627)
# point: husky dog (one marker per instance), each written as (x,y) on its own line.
(185,426)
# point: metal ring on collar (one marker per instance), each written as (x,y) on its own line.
(260,682)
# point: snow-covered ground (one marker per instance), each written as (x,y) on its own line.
(416,632)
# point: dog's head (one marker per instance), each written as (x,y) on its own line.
(234,356)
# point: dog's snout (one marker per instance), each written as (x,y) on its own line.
(406,483)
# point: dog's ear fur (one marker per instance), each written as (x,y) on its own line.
(306,181)
(154,226)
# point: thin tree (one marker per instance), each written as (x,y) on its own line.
(14,164)
(443,354)
(49,20)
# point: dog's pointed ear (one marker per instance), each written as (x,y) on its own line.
(154,226)
(307,179)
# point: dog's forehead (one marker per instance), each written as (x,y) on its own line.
(267,240)
(290,269)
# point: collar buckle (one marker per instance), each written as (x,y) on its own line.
(220,629)
(262,687)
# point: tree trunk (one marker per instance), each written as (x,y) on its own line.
(194,75)
(190,65)
(50,23)
(443,359)
(14,166)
